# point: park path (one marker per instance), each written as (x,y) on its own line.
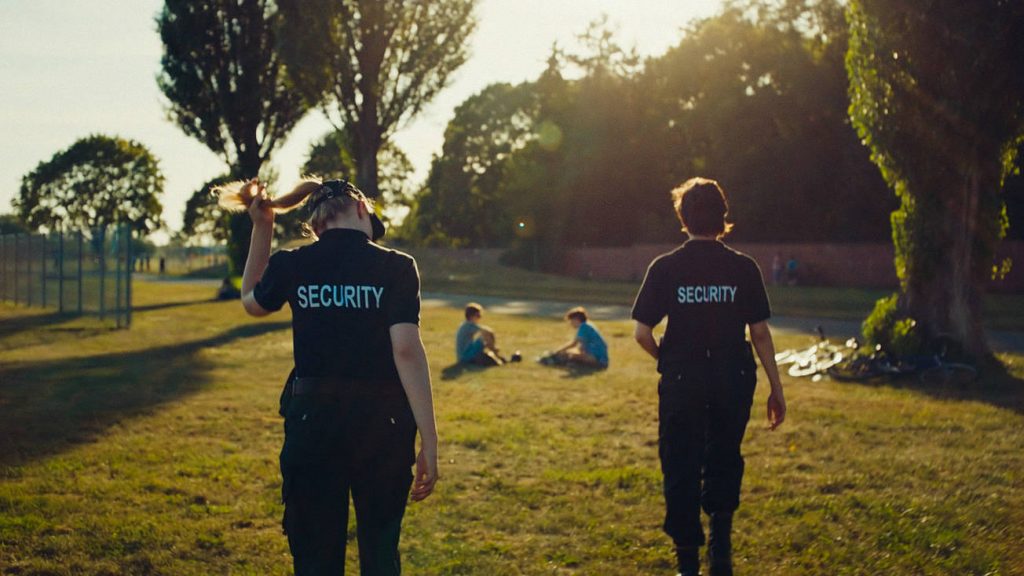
(837,330)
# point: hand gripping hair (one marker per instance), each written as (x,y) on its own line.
(325,199)
(237,196)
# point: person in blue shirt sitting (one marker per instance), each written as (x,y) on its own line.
(588,348)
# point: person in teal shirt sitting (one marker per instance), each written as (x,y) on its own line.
(474,342)
(588,347)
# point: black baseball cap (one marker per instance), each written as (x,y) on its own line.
(336,188)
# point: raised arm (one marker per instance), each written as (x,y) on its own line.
(262,215)
(761,337)
(411,361)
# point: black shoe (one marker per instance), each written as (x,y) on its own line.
(689,561)
(516,357)
(720,544)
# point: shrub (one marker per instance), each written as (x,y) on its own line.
(889,328)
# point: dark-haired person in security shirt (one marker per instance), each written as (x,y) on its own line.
(361,387)
(711,294)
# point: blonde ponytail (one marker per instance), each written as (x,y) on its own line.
(237,196)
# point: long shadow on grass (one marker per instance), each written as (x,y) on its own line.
(47,407)
(17,324)
(166,305)
(995,386)
(51,322)
(458,369)
(577,370)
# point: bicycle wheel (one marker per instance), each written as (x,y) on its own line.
(805,368)
(829,361)
(794,356)
(948,373)
(784,357)
(853,370)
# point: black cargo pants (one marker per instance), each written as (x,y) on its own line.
(359,441)
(704,406)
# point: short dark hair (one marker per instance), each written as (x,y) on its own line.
(474,309)
(579,313)
(701,207)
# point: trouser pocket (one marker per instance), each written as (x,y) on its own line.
(382,436)
(311,433)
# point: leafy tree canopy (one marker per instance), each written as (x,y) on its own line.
(97,181)
(748,97)
(462,201)
(224,80)
(373,64)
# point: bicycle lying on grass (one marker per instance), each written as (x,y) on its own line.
(933,370)
(817,359)
(846,364)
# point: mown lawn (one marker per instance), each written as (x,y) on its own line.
(154,451)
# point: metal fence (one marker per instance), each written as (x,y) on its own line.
(75,273)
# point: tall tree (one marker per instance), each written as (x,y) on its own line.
(753,99)
(462,201)
(937,95)
(377,63)
(97,181)
(227,87)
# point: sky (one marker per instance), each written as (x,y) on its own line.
(71,68)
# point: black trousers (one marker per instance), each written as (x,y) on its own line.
(363,444)
(704,405)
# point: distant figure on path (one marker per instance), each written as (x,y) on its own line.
(588,347)
(362,385)
(791,271)
(711,295)
(474,342)
(777,269)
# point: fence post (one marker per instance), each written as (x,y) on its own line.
(29,267)
(116,245)
(16,236)
(128,281)
(103,271)
(45,257)
(3,266)
(80,256)
(60,270)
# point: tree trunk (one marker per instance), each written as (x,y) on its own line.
(366,146)
(366,168)
(946,300)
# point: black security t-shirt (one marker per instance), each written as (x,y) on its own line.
(710,294)
(345,293)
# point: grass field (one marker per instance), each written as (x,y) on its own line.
(154,451)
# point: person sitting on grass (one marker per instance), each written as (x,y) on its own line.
(474,342)
(588,348)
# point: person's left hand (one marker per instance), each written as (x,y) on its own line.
(260,209)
